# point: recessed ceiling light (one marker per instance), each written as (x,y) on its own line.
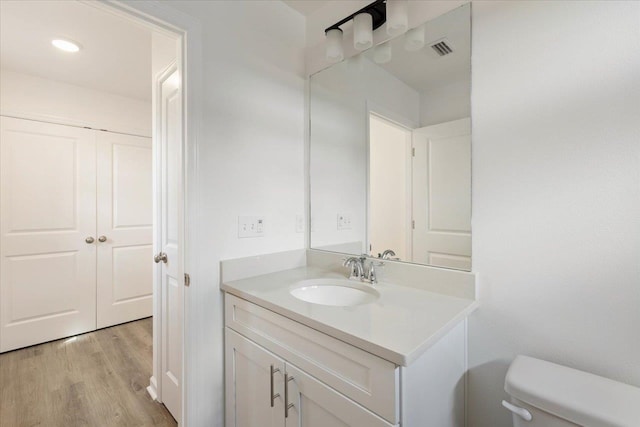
(66,45)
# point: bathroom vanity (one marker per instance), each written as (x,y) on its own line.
(389,165)
(396,357)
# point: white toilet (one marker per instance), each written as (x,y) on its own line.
(544,394)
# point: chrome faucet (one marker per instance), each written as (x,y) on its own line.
(358,271)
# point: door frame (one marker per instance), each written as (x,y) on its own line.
(188,30)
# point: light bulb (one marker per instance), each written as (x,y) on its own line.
(382,53)
(362,31)
(397,17)
(66,45)
(414,39)
(334,51)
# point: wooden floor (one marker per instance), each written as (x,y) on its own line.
(97,379)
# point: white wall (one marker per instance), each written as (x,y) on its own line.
(26,96)
(249,162)
(556,192)
(163,52)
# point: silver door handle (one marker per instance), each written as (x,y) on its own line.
(89,240)
(160,257)
(102,239)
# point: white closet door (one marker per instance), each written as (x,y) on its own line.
(124,242)
(442,195)
(47,210)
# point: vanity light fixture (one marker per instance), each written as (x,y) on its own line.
(414,39)
(362,31)
(335,53)
(365,21)
(66,45)
(397,17)
(382,53)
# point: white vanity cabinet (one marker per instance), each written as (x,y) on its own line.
(331,382)
(257,394)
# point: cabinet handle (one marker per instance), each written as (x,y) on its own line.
(287,405)
(102,239)
(89,240)
(271,395)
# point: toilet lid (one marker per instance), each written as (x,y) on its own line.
(573,395)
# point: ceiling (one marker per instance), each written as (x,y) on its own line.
(306,7)
(115,55)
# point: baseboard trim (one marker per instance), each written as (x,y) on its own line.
(152,389)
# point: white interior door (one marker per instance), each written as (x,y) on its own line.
(442,195)
(125,212)
(47,226)
(170,242)
(389,188)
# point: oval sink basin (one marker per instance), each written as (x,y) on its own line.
(335,292)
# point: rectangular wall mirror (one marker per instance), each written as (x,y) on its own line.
(390,148)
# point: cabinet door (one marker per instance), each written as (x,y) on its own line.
(316,405)
(254,377)
(48,225)
(125,209)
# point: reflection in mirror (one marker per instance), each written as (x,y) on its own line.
(390,151)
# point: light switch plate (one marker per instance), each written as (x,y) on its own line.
(250,226)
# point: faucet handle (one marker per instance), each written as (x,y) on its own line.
(373,276)
(346,262)
(355,267)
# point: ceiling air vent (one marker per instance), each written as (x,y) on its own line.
(442,48)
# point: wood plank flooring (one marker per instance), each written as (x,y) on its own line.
(97,379)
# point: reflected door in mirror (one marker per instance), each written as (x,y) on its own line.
(442,195)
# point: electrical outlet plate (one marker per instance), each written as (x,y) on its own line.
(299,224)
(344,221)
(250,226)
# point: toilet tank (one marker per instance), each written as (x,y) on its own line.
(556,395)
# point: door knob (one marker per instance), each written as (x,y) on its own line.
(160,257)
(89,240)
(102,239)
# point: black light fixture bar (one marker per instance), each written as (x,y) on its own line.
(377,10)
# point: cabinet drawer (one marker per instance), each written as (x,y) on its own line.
(361,376)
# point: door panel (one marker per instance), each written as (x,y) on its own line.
(317,405)
(442,195)
(48,209)
(125,212)
(171,275)
(248,384)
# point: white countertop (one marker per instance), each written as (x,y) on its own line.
(399,326)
